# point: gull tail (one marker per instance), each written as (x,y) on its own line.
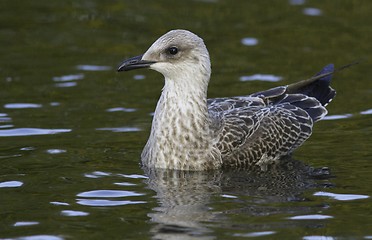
(311,95)
(317,87)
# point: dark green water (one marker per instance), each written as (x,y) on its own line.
(72,129)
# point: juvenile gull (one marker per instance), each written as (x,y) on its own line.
(191,132)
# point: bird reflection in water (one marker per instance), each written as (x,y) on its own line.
(186,198)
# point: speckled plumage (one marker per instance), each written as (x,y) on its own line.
(190,132)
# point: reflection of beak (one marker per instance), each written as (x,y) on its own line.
(134,63)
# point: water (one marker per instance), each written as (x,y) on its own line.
(72,129)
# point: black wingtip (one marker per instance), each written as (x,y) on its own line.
(317,86)
(329,69)
(321,88)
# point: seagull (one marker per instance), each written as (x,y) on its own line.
(191,132)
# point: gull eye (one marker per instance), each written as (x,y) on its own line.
(172,50)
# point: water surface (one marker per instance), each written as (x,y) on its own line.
(72,129)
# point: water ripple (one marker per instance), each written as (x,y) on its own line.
(124,184)
(139,77)
(106,203)
(30,132)
(100,173)
(71,213)
(54,104)
(310,217)
(261,77)
(4,118)
(121,109)
(40,237)
(60,203)
(296,2)
(93,68)
(341,197)
(109,194)
(11,156)
(66,84)
(312,11)
(318,238)
(22,105)
(249,41)
(337,117)
(10,184)
(27,148)
(120,129)
(55,151)
(20,224)
(254,234)
(70,77)
(135,176)
(228,196)
(96,174)
(8,125)
(369,111)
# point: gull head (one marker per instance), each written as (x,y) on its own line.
(177,54)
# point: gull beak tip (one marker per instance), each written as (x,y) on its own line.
(134,63)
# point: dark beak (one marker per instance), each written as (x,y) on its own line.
(134,63)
